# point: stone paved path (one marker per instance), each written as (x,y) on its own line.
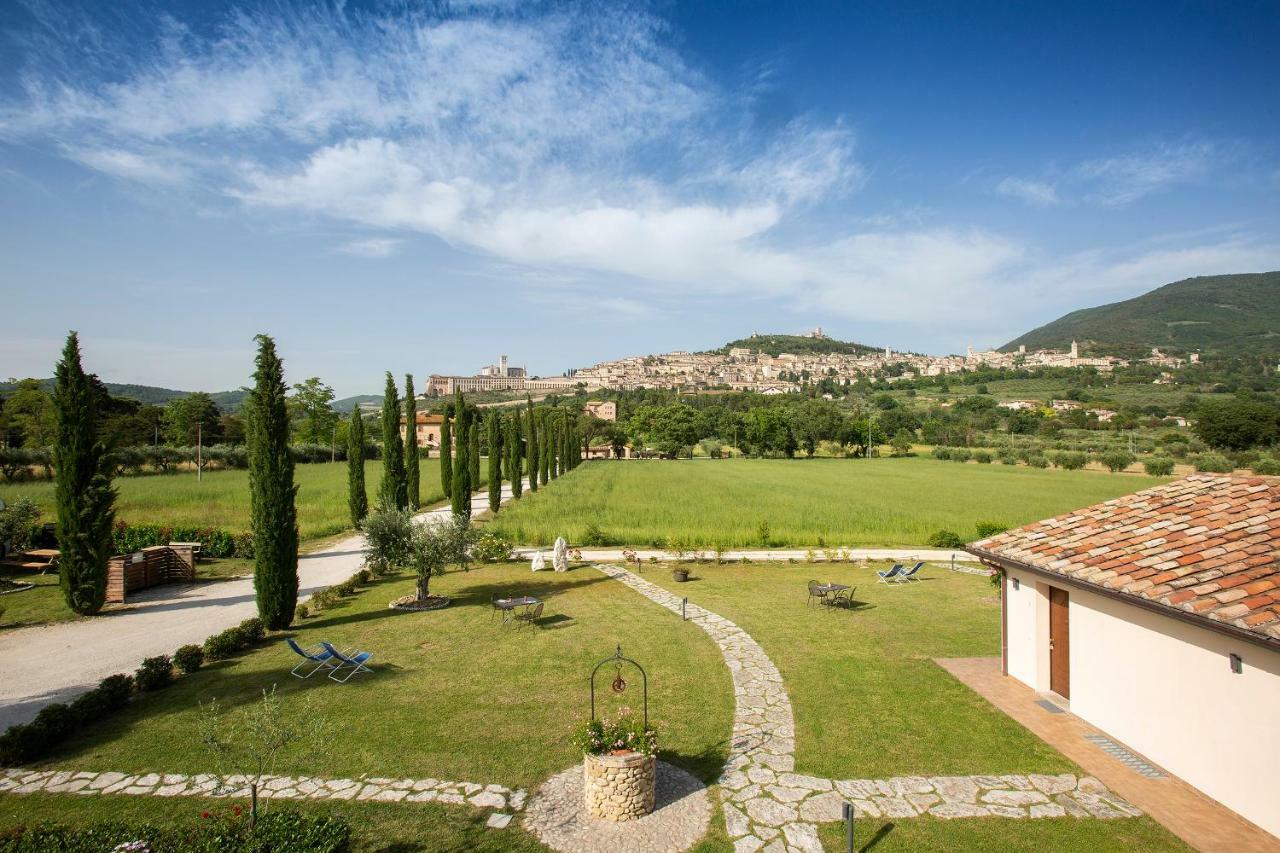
(20,781)
(768,805)
(680,816)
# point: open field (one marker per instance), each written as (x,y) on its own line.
(809,502)
(222,499)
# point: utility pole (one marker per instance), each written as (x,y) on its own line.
(199,450)
(333,444)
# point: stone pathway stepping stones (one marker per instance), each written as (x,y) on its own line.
(768,806)
(556,815)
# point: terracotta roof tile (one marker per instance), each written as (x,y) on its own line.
(1208,544)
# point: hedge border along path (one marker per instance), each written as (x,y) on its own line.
(763,797)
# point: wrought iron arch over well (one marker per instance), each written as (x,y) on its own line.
(619,684)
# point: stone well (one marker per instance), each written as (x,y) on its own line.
(619,787)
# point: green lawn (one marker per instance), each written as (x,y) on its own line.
(222,498)
(456,695)
(806,502)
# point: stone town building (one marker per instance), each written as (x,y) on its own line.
(427,429)
(1156,618)
(605,410)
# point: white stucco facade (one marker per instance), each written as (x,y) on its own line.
(1162,687)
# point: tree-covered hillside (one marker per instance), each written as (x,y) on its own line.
(1226,315)
(227,401)
(795,344)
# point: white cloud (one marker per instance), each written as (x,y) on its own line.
(373,247)
(131,165)
(1117,181)
(1036,193)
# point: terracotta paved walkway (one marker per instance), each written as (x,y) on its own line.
(1198,820)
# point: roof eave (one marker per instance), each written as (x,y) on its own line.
(1225,628)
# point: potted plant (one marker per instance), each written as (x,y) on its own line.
(680,574)
(619,766)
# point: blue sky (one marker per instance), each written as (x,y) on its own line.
(422,187)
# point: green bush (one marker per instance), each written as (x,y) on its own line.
(224,645)
(130,538)
(1158,466)
(55,723)
(363,576)
(945,539)
(982,457)
(1070,460)
(763,534)
(1116,460)
(154,674)
(188,658)
(593,535)
(301,612)
(491,547)
(961,454)
(274,832)
(252,630)
(1008,457)
(942,452)
(989,528)
(1266,466)
(1177,449)
(1038,460)
(18,523)
(1213,463)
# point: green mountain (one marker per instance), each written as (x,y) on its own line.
(344,405)
(227,401)
(795,344)
(1227,315)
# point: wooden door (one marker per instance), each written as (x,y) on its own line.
(1059,643)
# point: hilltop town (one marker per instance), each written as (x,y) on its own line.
(750,368)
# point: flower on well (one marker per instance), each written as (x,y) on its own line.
(624,731)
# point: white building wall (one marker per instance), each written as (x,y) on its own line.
(1165,689)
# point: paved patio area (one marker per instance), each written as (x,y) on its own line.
(1198,820)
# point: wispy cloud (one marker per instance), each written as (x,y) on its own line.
(1121,180)
(373,247)
(1036,193)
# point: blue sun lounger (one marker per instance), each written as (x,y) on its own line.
(890,577)
(909,575)
(317,655)
(355,661)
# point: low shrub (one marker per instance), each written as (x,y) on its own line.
(989,528)
(347,587)
(1116,460)
(491,547)
(982,457)
(154,674)
(961,454)
(274,831)
(364,576)
(1212,463)
(1038,461)
(1070,460)
(188,658)
(1158,466)
(942,452)
(223,645)
(301,612)
(763,534)
(1267,466)
(1008,458)
(945,539)
(32,741)
(593,535)
(252,630)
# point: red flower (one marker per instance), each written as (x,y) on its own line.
(204,815)
(235,810)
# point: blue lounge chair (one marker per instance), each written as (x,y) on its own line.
(909,575)
(890,577)
(355,661)
(317,655)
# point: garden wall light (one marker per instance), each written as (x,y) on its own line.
(1016,583)
(1237,664)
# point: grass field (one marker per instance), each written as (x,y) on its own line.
(222,498)
(809,502)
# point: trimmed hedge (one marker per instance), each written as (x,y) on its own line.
(155,673)
(129,538)
(28,742)
(188,658)
(275,831)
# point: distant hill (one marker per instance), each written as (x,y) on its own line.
(228,401)
(344,405)
(795,344)
(1219,314)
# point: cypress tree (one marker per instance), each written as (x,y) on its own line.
(272,493)
(544,448)
(461,498)
(532,452)
(494,434)
(82,489)
(413,482)
(555,445)
(515,470)
(357,495)
(473,449)
(446,456)
(393,492)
